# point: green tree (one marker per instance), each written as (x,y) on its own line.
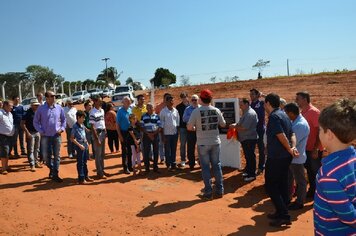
(109,75)
(260,65)
(163,77)
(40,74)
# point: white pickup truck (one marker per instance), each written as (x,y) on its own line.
(121,92)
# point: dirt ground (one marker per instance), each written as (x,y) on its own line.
(156,204)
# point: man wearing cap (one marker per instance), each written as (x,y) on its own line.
(206,121)
(7,130)
(50,122)
(33,137)
(70,112)
(182,127)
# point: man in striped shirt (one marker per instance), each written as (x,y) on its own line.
(335,196)
(150,125)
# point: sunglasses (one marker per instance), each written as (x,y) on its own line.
(194,100)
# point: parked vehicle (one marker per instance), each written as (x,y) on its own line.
(80,96)
(106,93)
(123,88)
(116,99)
(26,103)
(61,99)
(94,91)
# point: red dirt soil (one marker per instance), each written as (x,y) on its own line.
(157,204)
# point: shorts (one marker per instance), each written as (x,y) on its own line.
(5,142)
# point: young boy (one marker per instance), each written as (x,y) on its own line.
(335,196)
(79,139)
(133,142)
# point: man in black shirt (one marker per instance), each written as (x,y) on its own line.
(182,127)
(33,137)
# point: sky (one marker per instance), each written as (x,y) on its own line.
(196,38)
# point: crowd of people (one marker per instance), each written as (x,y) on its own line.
(295,138)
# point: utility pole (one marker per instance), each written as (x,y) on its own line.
(62,86)
(33,88)
(3,90)
(288,67)
(54,87)
(106,66)
(44,86)
(20,94)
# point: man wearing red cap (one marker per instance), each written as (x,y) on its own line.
(206,120)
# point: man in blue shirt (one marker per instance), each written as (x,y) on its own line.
(50,121)
(280,151)
(122,125)
(17,113)
(301,130)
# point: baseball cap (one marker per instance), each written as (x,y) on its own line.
(34,101)
(206,94)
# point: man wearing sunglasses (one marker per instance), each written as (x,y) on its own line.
(191,134)
(50,122)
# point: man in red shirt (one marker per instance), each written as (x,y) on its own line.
(313,149)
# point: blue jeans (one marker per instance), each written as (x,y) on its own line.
(100,153)
(183,143)
(161,147)
(170,148)
(33,148)
(248,146)
(82,157)
(51,146)
(209,155)
(18,134)
(70,145)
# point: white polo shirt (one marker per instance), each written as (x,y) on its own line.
(6,123)
(169,121)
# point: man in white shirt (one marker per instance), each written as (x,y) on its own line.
(7,130)
(97,121)
(170,121)
(70,113)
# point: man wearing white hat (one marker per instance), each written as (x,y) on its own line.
(33,137)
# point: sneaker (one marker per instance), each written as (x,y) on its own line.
(219,195)
(88,179)
(127,172)
(182,164)
(244,174)
(102,177)
(206,197)
(70,156)
(33,169)
(248,179)
(57,179)
(38,165)
(295,206)
(280,221)
(161,162)
(81,181)
(4,172)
